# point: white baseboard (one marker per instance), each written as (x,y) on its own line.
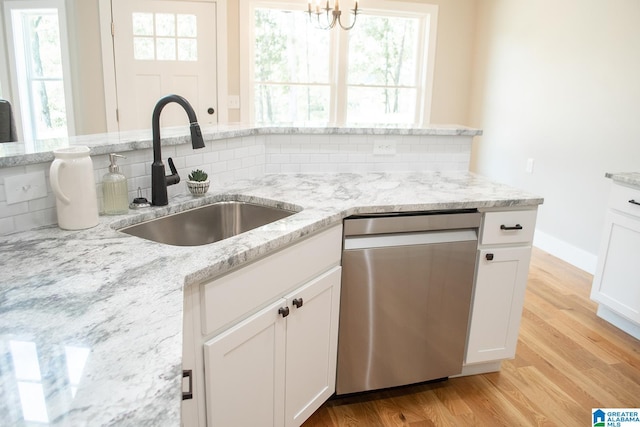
(575,256)
(618,321)
(479,368)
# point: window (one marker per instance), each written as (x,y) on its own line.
(37,39)
(290,69)
(165,37)
(379,72)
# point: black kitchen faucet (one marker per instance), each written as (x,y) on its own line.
(159,180)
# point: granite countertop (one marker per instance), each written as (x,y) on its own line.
(629,178)
(91,320)
(18,153)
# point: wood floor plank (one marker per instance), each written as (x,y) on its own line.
(568,361)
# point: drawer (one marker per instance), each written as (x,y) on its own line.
(625,199)
(232,297)
(507,227)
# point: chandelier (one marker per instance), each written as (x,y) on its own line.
(330,20)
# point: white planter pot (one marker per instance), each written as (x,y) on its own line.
(198,188)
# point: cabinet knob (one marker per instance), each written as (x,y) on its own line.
(489,257)
(298,302)
(283,311)
(210,110)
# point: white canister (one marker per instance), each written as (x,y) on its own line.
(73,183)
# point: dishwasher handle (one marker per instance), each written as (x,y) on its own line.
(409,239)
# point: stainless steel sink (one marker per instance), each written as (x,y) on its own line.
(207,224)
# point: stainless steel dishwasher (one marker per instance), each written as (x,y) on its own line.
(407,281)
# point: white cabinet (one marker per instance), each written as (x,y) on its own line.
(616,284)
(497,304)
(501,278)
(311,343)
(278,366)
(244,369)
(264,339)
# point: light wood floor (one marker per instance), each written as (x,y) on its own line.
(568,361)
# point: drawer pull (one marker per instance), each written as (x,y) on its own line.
(633,202)
(298,302)
(186,395)
(283,311)
(515,227)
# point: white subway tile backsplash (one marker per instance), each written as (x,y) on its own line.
(34,219)
(42,203)
(191,161)
(18,170)
(256,150)
(211,157)
(272,148)
(13,209)
(279,139)
(291,148)
(251,157)
(248,162)
(241,152)
(272,168)
(234,164)
(226,154)
(290,168)
(7,225)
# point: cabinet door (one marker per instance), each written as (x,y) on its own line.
(245,372)
(312,338)
(617,281)
(497,305)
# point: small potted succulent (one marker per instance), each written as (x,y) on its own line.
(198,182)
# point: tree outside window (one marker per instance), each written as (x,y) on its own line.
(378,75)
(291,69)
(36,34)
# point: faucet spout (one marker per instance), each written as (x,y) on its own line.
(159,180)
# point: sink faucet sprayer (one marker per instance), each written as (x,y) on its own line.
(160,181)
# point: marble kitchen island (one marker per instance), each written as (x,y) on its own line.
(117,300)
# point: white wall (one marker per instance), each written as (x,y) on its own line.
(558,81)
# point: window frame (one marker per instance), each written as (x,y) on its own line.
(427,14)
(19,94)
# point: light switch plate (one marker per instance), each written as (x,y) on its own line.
(29,186)
(233,101)
(529,168)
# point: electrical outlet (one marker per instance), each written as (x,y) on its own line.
(383,147)
(530,163)
(20,188)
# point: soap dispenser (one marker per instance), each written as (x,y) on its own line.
(114,189)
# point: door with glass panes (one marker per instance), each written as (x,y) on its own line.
(163,47)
